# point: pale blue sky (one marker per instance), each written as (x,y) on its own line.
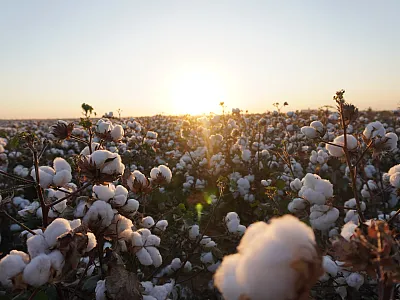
(148,57)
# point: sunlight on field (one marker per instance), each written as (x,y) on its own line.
(196,92)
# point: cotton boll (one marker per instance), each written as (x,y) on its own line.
(57,261)
(120,197)
(104,192)
(318,126)
(144,257)
(37,245)
(60,164)
(145,233)
(225,278)
(101,290)
(296,185)
(117,133)
(155,256)
(246,155)
(355,280)
(94,147)
(352,203)
(176,263)
(352,216)
(207,258)
(329,266)
(352,144)
(152,240)
(92,242)
(131,206)
(45,176)
(309,132)
(194,232)
(81,209)
(323,216)
(391,142)
(374,129)
(137,239)
(348,230)
(25,257)
(162,225)
(279,245)
(55,229)
(57,209)
(241,229)
(147,222)
(37,272)
(297,205)
(75,223)
(161,292)
(100,214)
(10,266)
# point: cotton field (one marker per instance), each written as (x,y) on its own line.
(281,205)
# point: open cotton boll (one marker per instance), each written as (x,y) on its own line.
(152,240)
(309,132)
(297,205)
(55,229)
(329,266)
(391,143)
(81,209)
(10,266)
(296,185)
(348,230)
(318,126)
(162,225)
(60,164)
(336,151)
(103,126)
(322,217)
(355,280)
(137,239)
(147,222)
(162,172)
(117,133)
(37,272)
(315,189)
(57,261)
(92,242)
(104,192)
(100,214)
(155,256)
(121,195)
(194,232)
(374,129)
(352,203)
(207,258)
(352,216)
(131,206)
(225,278)
(114,167)
(37,245)
(62,177)
(25,257)
(161,292)
(144,257)
(281,244)
(145,233)
(75,223)
(101,290)
(94,147)
(46,175)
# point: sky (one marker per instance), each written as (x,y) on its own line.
(176,57)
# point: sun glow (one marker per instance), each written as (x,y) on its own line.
(197,92)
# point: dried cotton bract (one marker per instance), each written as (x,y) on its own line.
(277,261)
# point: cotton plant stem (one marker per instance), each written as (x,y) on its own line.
(353,170)
(39,190)
(70,195)
(16,177)
(18,222)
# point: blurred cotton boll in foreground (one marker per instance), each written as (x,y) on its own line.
(275,261)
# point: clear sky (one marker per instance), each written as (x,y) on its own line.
(149,57)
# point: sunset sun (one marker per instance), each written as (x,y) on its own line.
(196,92)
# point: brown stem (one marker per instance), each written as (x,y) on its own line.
(70,195)
(39,190)
(16,177)
(18,222)
(353,169)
